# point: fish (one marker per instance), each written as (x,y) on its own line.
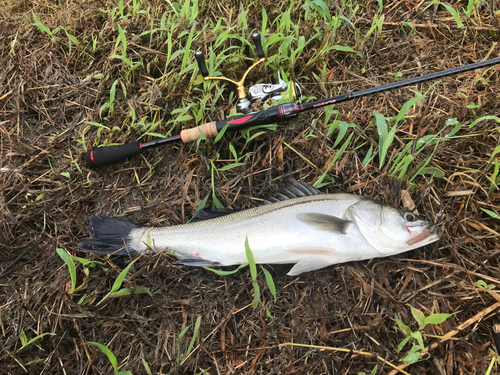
(299,225)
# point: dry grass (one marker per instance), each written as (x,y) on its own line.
(45,102)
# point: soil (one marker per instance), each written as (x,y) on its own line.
(47,192)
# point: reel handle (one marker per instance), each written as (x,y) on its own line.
(200,59)
(258,45)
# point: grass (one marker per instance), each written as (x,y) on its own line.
(111,357)
(415,337)
(79,77)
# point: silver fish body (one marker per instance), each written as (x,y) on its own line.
(312,231)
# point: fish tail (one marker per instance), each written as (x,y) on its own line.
(109,236)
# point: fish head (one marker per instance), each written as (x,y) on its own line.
(389,230)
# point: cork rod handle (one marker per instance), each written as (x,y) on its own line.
(209,130)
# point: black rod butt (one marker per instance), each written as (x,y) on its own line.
(107,155)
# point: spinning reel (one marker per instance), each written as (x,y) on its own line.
(259,93)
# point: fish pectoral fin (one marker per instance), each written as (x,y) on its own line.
(324,222)
(307,266)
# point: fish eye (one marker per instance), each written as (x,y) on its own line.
(408,216)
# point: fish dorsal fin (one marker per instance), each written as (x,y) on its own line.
(324,222)
(293,189)
(307,266)
(211,213)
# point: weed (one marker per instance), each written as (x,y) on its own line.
(373,372)
(115,289)
(25,342)
(493,214)
(86,263)
(454,13)
(109,105)
(191,343)
(45,30)
(253,273)
(319,182)
(495,179)
(495,359)
(111,357)
(416,338)
(482,284)
(396,75)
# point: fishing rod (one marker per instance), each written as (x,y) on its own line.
(103,156)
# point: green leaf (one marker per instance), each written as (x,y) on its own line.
(251,260)
(481,283)
(71,266)
(183,332)
(119,280)
(491,213)
(225,273)
(44,29)
(473,105)
(256,295)
(343,126)
(403,343)
(456,128)
(146,366)
(221,133)
(368,158)
(231,166)
(412,358)
(342,48)
(436,172)
(418,315)
(128,291)
(23,338)
(482,119)
(418,336)
(335,158)
(403,327)
(436,318)
(387,143)
(66,174)
(86,262)
(195,334)
(454,13)
(109,354)
(36,338)
(200,206)
(409,103)
(270,282)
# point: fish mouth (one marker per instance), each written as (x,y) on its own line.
(430,234)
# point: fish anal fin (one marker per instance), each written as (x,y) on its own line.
(307,266)
(324,222)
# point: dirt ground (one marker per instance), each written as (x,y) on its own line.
(47,192)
